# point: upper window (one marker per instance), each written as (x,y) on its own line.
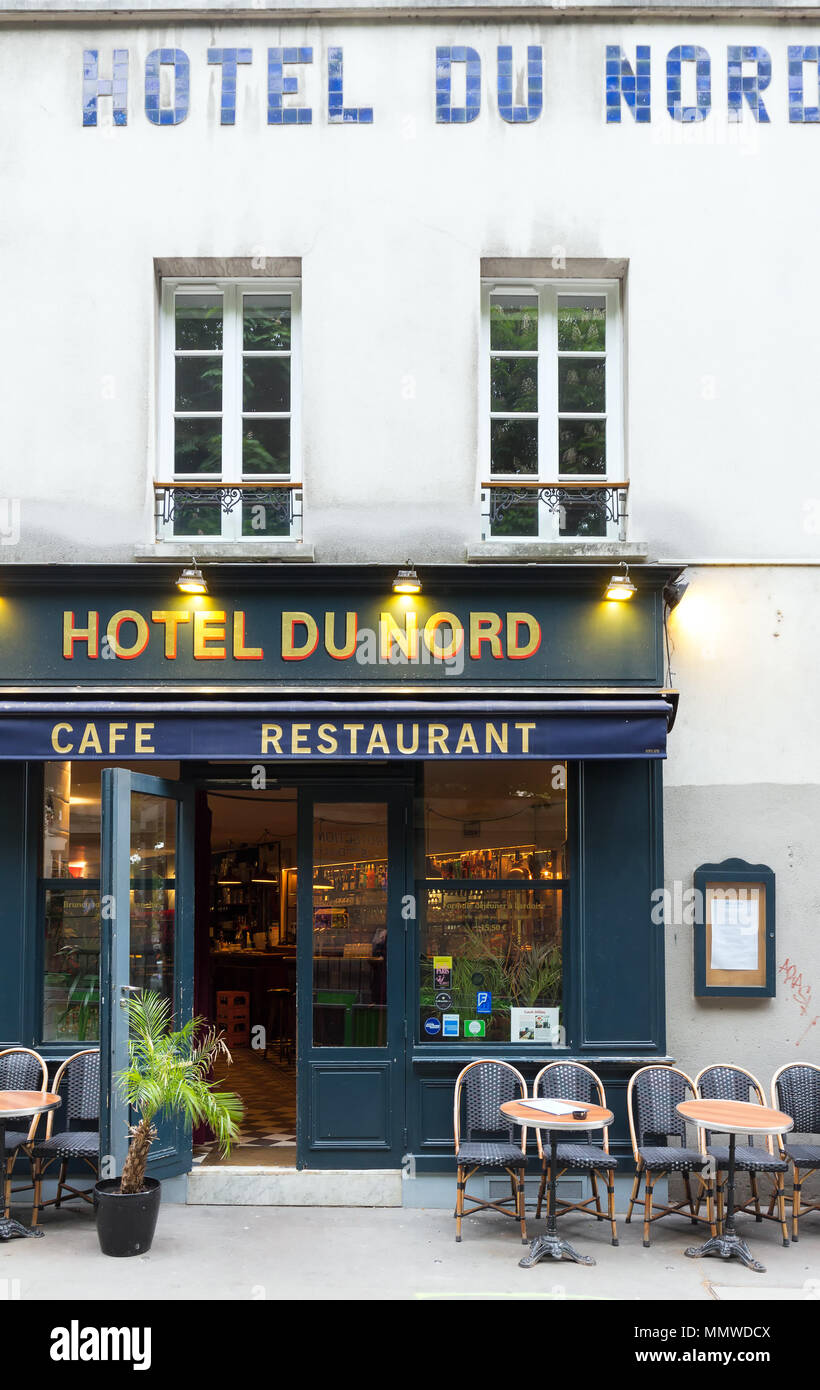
(552,410)
(229,424)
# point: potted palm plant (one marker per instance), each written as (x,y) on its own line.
(168,1074)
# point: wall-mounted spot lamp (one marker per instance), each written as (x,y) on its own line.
(406,581)
(192,580)
(674,592)
(620,586)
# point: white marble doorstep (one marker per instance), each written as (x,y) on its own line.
(289,1187)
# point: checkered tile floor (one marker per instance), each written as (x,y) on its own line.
(268,1093)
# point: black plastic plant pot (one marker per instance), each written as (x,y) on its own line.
(126,1221)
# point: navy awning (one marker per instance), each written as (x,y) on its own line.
(331,730)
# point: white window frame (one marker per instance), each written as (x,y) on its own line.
(548,293)
(232,291)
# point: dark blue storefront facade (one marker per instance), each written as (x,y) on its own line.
(490,666)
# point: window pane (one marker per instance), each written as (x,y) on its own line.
(514,446)
(491,963)
(513,518)
(581,446)
(265,446)
(198,322)
(581,385)
(495,820)
(267,321)
(514,383)
(583,519)
(350,924)
(581,323)
(514,323)
(197,446)
(198,518)
(266,519)
(266,383)
(199,383)
(153,861)
(71,962)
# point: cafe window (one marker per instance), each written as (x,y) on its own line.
(229,446)
(553,411)
(491,892)
(69,897)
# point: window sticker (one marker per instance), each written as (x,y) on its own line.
(483,1002)
(443,971)
(475,1027)
(450,1024)
(534,1025)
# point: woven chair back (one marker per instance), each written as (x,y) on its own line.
(569,1081)
(20,1071)
(486,1087)
(728,1083)
(657,1092)
(80,1091)
(797,1092)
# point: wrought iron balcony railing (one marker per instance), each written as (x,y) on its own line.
(586,511)
(220,511)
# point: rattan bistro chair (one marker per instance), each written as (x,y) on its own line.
(796,1090)
(723,1081)
(574,1081)
(78,1084)
(21,1069)
(488,1140)
(652,1097)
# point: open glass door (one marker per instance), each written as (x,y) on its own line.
(351,978)
(147,939)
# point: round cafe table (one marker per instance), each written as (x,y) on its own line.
(13,1105)
(595,1117)
(732,1117)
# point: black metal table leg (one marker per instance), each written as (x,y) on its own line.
(550,1243)
(8,1226)
(730,1244)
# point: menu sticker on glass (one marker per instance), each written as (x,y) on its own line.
(443,971)
(449,1025)
(534,1025)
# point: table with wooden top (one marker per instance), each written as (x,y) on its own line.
(13,1105)
(732,1117)
(595,1117)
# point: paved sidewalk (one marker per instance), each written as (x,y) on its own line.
(258,1253)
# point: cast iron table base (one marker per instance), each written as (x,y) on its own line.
(550,1243)
(9,1227)
(730,1243)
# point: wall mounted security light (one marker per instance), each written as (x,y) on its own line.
(407,581)
(674,592)
(620,586)
(192,580)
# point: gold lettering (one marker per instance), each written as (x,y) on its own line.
(351,629)
(240,651)
(55,734)
(89,634)
(298,735)
(354,730)
(290,651)
(271,736)
(406,638)
(525,736)
(90,739)
(447,649)
(491,735)
(378,739)
(142,732)
(467,739)
(400,739)
(327,736)
(116,734)
(171,617)
(485,627)
(517,650)
(140,642)
(209,627)
(437,738)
